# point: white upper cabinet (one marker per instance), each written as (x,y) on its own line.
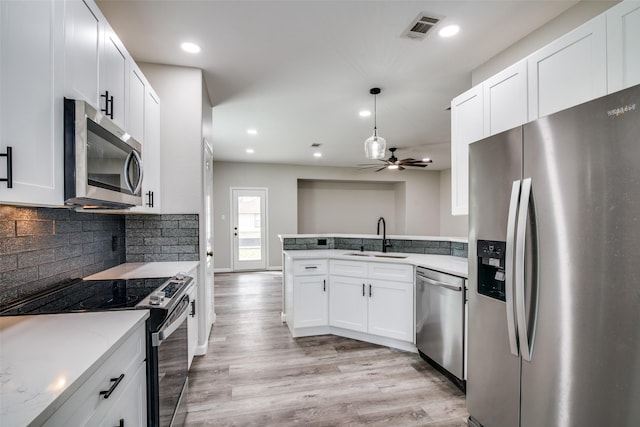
(623,45)
(113,77)
(82,41)
(467,126)
(505,99)
(135,109)
(151,196)
(569,71)
(31,78)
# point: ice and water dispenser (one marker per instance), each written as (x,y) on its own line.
(491,268)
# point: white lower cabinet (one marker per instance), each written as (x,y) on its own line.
(376,298)
(310,299)
(126,410)
(347,303)
(116,391)
(308,294)
(390,312)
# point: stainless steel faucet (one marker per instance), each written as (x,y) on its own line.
(385,243)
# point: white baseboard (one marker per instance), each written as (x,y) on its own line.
(276,268)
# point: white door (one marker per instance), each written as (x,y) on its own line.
(206,293)
(249,213)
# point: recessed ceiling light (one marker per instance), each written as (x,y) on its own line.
(448,31)
(365,113)
(250,150)
(426,160)
(190,47)
(317,154)
(252,131)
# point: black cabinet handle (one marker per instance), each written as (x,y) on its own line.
(121,423)
(108,102)
(9,178)
(150,196)
(193,308)
(369,290)
(363,289)
(116,381)
(324,285)
(311,267)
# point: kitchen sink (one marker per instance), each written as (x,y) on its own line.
(364,254)
(392,256)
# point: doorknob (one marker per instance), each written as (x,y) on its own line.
(209,253)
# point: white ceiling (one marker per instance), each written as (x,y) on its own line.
(300,71)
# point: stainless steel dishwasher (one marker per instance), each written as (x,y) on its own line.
(440,311)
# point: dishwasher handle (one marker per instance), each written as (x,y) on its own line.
(439,284)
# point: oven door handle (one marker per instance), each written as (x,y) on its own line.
(159,337)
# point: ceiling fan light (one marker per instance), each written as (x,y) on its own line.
(374,147)
(393,167)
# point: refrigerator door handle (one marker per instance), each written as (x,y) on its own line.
(523,214)
(509,270)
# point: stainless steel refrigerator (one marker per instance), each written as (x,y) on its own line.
(554,270)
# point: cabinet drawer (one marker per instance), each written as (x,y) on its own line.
(81,406)
(388,271)
(310,267)
(349,268)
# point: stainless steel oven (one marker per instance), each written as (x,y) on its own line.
(168,368)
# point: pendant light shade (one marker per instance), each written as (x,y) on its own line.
(375,146)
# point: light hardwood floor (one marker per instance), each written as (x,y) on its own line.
(256,374)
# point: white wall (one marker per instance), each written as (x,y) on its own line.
(421,210)
(347,207)
(450,225)
(562,24)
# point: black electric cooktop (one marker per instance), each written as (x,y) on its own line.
(86,295)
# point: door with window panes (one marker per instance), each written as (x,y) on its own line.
(249,228)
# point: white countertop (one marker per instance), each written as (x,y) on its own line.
(45,358)
(444,263)
(139,270)
(374,236)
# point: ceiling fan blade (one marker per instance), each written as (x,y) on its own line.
(382,168)
(369,164)
(400,168)
(409,160)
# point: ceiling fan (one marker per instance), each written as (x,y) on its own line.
(394,163)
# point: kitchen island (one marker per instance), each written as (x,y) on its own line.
(364,295)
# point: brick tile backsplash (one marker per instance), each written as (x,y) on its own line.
(436,247)
(40,247)
(162,238)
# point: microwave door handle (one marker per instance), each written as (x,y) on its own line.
(138,160)
(127,162)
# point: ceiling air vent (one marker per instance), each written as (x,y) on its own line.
(420,27)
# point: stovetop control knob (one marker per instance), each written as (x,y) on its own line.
(156,298)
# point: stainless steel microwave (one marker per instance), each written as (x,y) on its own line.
(102,163)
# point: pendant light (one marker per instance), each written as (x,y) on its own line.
(375,146)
